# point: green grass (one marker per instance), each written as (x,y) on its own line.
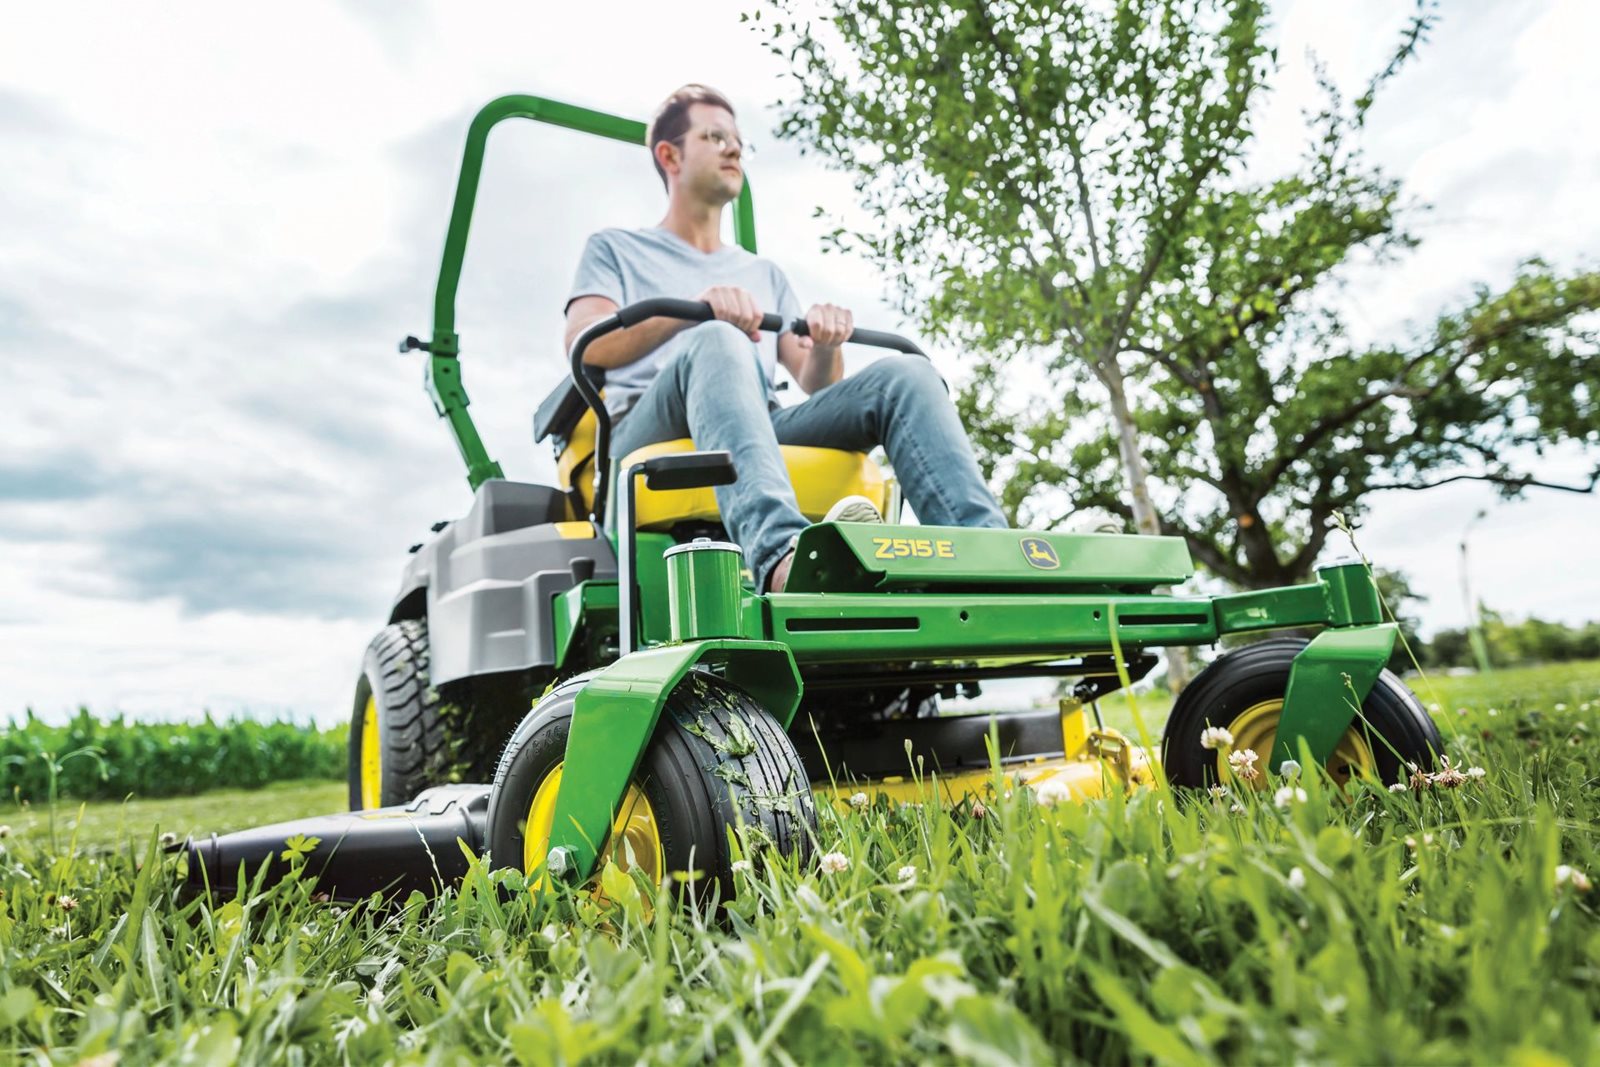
(1413,927)
(100,825)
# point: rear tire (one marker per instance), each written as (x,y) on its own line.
(717,760)
(1238,692)
(393,695)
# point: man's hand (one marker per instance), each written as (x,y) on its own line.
(829,326)
(734,305)
(815,360)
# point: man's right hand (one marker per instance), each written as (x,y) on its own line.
(736,306)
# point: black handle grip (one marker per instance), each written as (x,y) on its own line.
(699,311)
(875,338)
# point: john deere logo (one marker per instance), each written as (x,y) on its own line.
(1040,553)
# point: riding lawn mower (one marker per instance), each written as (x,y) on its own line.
(596,651)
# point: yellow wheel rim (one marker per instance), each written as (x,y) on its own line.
(1256,728)
(635,838)
(371,757)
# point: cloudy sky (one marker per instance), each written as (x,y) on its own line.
(215,224)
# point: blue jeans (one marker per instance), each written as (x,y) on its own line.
(714,392)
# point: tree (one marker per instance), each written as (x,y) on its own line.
(1061,188)
(1398,596)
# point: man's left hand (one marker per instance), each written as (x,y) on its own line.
(829,325)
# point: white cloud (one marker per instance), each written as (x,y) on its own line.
(217,223)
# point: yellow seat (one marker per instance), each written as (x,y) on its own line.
(820,476)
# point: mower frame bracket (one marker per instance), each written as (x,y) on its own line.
(1328,682)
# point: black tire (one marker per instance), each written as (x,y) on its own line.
(1393,724)
(412,743)
(696,787)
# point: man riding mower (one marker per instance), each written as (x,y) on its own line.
(645,691)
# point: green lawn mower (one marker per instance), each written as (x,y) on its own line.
(596,648)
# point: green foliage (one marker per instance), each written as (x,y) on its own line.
(1516,642)
(1062,188)
(90,758)
(1415,927)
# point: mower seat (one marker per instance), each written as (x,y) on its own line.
(820,476)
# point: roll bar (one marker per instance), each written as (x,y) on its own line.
(443,347)
(689,311)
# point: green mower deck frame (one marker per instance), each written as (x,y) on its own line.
(995,609)
(914,599)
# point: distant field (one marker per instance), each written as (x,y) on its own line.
(1443,926)
(105,824)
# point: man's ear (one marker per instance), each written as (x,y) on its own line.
(667,156)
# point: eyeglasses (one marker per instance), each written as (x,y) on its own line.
(722,140)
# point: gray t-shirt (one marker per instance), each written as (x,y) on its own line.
(630,265)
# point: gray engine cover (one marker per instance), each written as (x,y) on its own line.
(490,577)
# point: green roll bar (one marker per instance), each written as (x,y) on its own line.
(443,382)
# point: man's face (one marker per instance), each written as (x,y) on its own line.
(710,156)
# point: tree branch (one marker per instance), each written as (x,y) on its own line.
(1327,425)
(1031,143)
(1511,481)
(1177,370)
(1075,153)
(1322,510)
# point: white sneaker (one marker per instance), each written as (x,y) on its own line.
(1094,520)
(853,509)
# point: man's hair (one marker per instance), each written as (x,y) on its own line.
(672,117)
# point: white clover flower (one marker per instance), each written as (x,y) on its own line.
(908,873)
(858,800)
(1561,707)
(1289,794)
(1413,844)
(978,810)
(1289,768)
(1297,879)
(5,831)
(66,902)
(1474,772)
(834,862)
(1399,787)
(1434,708)
(1237,809)
(740,866)
(1218,791)
(1448,777)
(1052,792)
(1243,763)
(1571,876)
(169,839)
(1215,737)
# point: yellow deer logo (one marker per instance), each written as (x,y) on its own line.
(1040,553)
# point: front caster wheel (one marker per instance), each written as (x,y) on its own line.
(1243,693)
(717,760)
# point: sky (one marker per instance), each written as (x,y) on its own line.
(216,222)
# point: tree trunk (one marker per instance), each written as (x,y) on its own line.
(1145,519)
